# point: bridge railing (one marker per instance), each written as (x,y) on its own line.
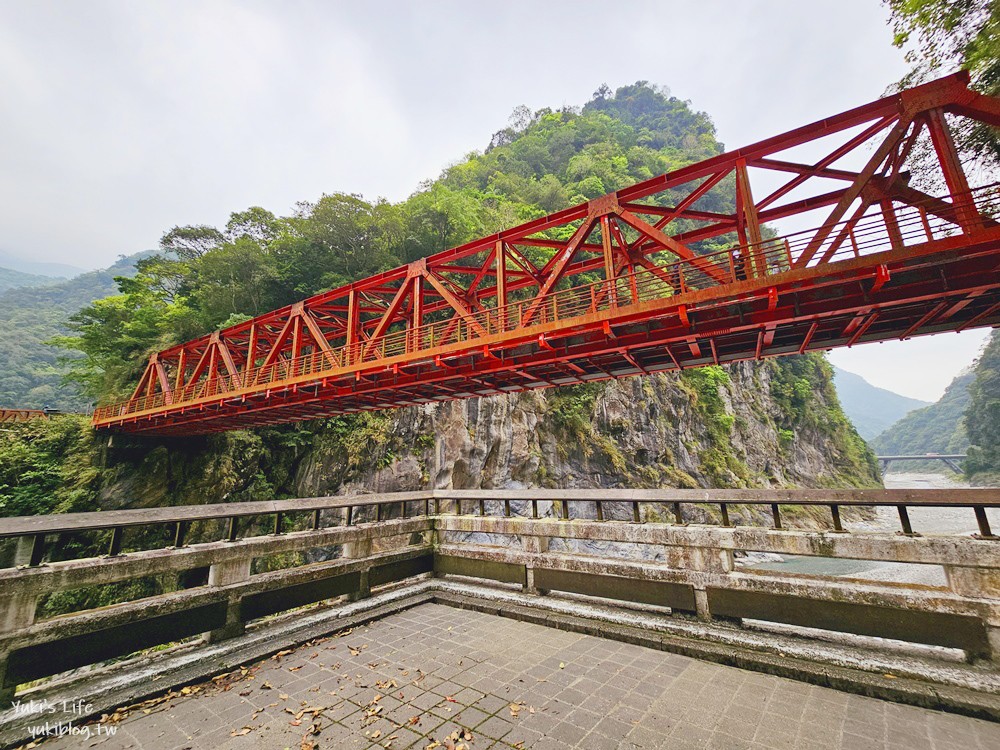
(676,550)
(882,228)
(34,533)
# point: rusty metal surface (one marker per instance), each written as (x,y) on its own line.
(515,310)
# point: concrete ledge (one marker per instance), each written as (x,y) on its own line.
(955,687)
(125,683)
(907,690)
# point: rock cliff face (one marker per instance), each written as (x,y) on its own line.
(714,427)
(775,423)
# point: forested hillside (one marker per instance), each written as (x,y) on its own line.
(775,423)
(982,418)
(871,409)
(11,279)
(31,370)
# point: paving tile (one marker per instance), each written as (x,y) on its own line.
(606,695)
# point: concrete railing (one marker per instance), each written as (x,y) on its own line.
(541,540)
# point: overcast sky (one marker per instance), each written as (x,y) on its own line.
(123,119)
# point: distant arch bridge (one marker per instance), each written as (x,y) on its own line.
(951,460)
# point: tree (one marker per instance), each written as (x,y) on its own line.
(982,418)
(256,223)
(190,242)
(943,35)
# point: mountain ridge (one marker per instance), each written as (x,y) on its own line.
(870,408)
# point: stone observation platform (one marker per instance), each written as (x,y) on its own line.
(434,674)
(541,618)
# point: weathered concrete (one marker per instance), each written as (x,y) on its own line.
(420,675)
(693,569)
(229,573)
(358,550)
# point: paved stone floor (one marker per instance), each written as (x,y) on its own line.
(438,677)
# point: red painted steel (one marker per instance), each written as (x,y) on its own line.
(619,285)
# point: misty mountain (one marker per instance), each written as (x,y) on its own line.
(11,279)
(870,408)
(37,268)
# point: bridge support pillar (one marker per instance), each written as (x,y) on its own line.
(225,574)
(537,545)
(354,551)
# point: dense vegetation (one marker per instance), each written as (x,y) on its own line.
(941,36)
(11,279)
(982,419)
(31,370)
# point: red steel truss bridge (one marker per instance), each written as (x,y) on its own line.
(624,284)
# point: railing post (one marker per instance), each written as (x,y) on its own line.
(226,574)
(835,512)
(534,545)
(115,547)
(904,520)
(984,522)
(357,550)
(17,611)
(180,531)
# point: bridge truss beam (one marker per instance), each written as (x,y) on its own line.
(625,284)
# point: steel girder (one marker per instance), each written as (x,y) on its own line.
(619,285)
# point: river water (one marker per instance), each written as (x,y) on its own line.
(923,520)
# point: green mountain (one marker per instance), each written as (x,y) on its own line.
(871,409)
(938,428)
(11,279)
(982,418)
(31,371)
